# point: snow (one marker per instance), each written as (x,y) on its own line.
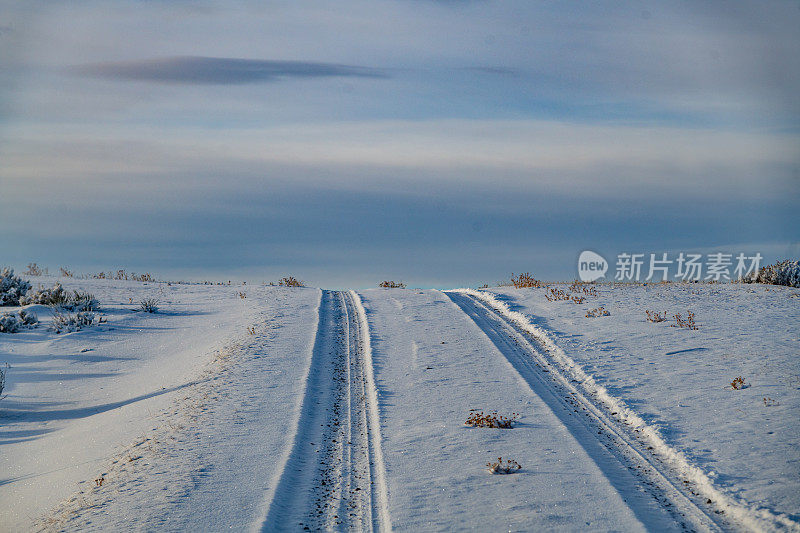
(80,405)
(345,410)
(675,383)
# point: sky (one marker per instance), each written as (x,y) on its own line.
(437,142)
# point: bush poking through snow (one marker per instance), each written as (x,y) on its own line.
(508,467)
(290,281)
(654,317)
(687,323)
(392,285)
(781,273)
(83,301)
(600,311)
(555,295)
(525,280)
(71,322)
(478,419)
(58,297)
(13,322)
(55,296)
(12,287)
(2,382)
(149,305)
(738,383)
(585,288)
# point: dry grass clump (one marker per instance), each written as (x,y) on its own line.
(392,285)
(241,295)
(525,280)
(599,311)
(67,273)
(654,317)
(479,419)
(687,323)
(290,281)
(500,467)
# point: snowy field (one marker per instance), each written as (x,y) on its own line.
(268,408)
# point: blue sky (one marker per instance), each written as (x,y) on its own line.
(438,142)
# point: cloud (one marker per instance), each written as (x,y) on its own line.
(220,70)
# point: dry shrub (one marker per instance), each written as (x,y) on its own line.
(500,467)
(33,270)
(67,273)
(769,402)
(654,317)
(585,288)
(554,295)
(479,419)
(392,285)
(578,299)
(290,281)
(738,383)
(241,295)
(525,280)
(600,311)
(149,305)
(687,323)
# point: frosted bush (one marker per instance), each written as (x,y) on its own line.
(82,301)
(71,322)
(54,296)
(13,322)
(781,273)
(12,287)
(58,297)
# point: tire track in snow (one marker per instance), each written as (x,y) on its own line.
(334,476)
(546,378)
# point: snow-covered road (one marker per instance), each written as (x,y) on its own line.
(336,410)
(334,477)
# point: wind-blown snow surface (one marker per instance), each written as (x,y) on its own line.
(678,381)
(195,423)
(185,415)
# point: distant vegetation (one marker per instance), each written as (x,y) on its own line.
(525,280)
(290,281)
(781,273)
(392,285)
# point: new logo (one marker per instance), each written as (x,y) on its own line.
(591,266)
